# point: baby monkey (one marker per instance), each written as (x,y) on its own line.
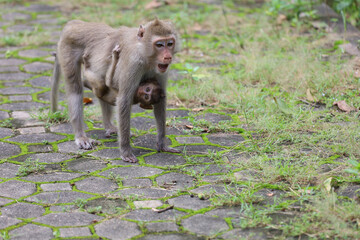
(148,93)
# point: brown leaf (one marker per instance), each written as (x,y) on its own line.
(155,4)
(270,194)
(280,19)
(189,126)
(87,100)
(343,106)
(309,96)
(198,109)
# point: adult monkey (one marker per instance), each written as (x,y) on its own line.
(145,53)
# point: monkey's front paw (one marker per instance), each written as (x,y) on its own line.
(86,143)
(111,132)
(168,149)
(131,158)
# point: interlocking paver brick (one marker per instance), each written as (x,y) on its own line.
(189,140)
(34,53)
(162,227)
(23,210)
(16,189)
(5,132)
(3,115)
(38,67)
(16,16)
(4,201)
(11,62)
(205,225)
(175,181)
(117,229)
(150,215)
(26,98)
(75,232)
(96,185)
(49,187)
(198,149)
(52,177)
(148,204)
(132,172)
(20,28)
(225,139)
(44,157)
(8,170)
(68,219)
(137,183)
(6,221)
(16,106)
(31,130)
(31,232)
(173,236)
(37,138)
(144,193)
(164,159)
(86,165)
(57,197)
(43,81)
(188,202)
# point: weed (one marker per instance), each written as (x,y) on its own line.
(94,210)
(115,178)
(252,216)
(29,166)
(7,123)
(52,117)
(80,203)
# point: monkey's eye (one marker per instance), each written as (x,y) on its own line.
(147,89)
(170,43)
(160,44)
(146,96)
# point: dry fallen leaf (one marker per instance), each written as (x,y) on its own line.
(198,109)
(87,100)
(343,106)
(189,126)
(155,4)
(309,96)
(270,194)
(280,19)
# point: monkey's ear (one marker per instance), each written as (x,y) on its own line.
(141,32)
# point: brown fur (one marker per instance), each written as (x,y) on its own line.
(139,59)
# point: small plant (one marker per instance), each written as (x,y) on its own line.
(253,217)
(52,117)
(6,123)
(115,178)
(355,168)
(94,210)
(29,166)
(80,203)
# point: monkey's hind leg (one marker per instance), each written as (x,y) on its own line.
(107,113)
(74,90)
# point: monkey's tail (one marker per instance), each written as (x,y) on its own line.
(55,85)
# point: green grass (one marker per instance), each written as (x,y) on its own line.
(29,166)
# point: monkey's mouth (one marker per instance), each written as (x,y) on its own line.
(163,67)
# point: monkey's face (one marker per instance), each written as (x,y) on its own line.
(149,94)
(164,49)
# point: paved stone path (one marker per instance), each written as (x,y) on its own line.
(94,194)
